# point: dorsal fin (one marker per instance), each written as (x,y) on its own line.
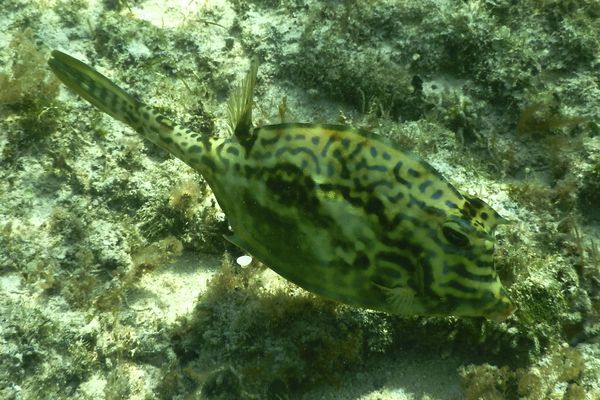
(240,107)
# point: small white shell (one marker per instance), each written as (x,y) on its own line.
(243,261)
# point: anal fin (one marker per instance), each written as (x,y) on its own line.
(400,298)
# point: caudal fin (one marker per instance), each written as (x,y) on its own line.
(200,151)
(111,99)
(95,88)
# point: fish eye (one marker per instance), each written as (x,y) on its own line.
(455,237)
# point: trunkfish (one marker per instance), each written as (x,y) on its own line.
(341,212)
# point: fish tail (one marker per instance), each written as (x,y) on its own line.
(114,101)
(94,87)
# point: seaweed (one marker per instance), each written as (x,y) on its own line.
(560,373)
(239,322)
(28,93)
(542,117)
(30,85)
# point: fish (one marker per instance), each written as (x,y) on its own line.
(340,212)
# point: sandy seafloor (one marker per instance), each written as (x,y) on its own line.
(116,283)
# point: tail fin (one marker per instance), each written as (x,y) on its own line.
(194,149)
(94,87)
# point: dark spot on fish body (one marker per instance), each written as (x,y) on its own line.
(269,141)
(233,150)
(424,272)
(423,186)
(166,139)
(382,182)
(451,204)
(311,154)
(209,162)
(344,171)
(396,259)
(220,148)
(434,211)
(281,150)
(472,212)
(447,304)
(403,181)
(468,211)
(403,245)
(344,191)
(225,163)
(291,186)
(414,173)
(327,145)
(486,265)
(455,237)
(178,148)
(103,94)
(164,121)
(385,274)
(373,151)
(261,155)
(484,216)
(330,169)
(395,198)
(377,167)
(274,227)
(315,140)
(412,200)
(361,261)
(476,202)
(131,119)
(345,143)
(300,136)
(362,164)
(390,225)
(195,149)
(458,286)
(462,271)
(375,206)
(386,156)
(207,144)
(484,300)
(337,154)
(399,178)
(249,172)
(437,195)
(356,150)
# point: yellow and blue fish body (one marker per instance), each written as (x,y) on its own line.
(340,212)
